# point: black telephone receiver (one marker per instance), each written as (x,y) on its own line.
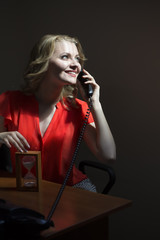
(87,87)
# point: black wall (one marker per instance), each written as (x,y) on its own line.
(122,43)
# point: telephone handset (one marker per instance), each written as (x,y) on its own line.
(87,87)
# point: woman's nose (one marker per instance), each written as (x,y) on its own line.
(75,63)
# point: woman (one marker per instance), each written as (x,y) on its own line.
(46,116)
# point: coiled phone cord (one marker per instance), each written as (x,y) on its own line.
(72,162)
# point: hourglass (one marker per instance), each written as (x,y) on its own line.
(29,178)
(28,170)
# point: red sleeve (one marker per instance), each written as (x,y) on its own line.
(85,110)
(8,108)
(5,105)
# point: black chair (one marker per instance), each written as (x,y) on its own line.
(5,162)
(98,165)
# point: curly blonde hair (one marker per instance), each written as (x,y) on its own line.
(39,61)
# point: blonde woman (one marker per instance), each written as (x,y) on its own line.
(47,116)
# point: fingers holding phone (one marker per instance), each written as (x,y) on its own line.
(88,83)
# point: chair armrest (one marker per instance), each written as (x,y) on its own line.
(101,166)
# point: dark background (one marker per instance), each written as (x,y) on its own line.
(122,43)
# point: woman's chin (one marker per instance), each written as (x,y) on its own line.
(70,82)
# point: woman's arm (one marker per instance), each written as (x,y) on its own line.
(98,135)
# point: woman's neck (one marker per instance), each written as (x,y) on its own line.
(48,95)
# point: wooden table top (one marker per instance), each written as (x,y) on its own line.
(75,207)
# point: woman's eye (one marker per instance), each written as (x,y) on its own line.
(64,57)
(78,59)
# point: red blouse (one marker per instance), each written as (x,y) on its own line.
(58,144)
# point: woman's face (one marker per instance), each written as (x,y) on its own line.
(64,65)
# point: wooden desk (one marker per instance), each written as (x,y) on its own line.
(79,215)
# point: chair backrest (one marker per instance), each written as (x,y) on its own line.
(100,166)
(5,160)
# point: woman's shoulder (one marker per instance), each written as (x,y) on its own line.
(12,93)
(14,96)
(74,104)
(78,103)
(7,95)
(82,104)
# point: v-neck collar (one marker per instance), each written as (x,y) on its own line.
(54,117)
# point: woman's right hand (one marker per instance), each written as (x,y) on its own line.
(16,139)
